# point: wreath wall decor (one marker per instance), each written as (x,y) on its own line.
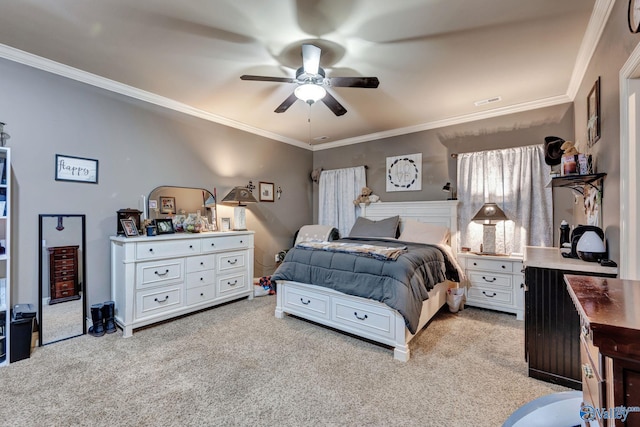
(404,173)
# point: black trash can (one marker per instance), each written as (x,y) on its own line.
(21,331)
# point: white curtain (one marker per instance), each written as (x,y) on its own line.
(516,179)
(338,189)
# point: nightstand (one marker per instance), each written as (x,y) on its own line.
(494,282)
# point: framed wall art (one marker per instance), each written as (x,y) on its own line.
(404,173)
(167,205)
(593,114)
(266,191)
(76,169)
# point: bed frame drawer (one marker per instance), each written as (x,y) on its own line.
(311,304)
(363,317)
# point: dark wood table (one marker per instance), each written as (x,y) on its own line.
(610,319)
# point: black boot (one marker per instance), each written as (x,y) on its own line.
(108,309)
(97,330)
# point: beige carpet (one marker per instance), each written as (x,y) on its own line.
(239,365)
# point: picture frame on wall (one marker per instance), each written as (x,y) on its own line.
(593,114)
(164,226)
(266,191)
(167,205)
(76,169)
(129,227)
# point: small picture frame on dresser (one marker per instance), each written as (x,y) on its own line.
(129,227)
(164,226)
(225,224)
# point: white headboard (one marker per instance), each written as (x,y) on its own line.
(443,212)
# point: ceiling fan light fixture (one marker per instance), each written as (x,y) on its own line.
(310,92)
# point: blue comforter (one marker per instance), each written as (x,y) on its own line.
(402,284)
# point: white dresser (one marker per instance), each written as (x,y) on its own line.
(494,282)
(159,277)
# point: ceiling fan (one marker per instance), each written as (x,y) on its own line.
(312,82)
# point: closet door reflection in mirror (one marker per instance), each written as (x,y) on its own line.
(62,307)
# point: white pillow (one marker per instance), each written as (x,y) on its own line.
(420,232)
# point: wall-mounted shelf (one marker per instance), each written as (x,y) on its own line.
(577,182)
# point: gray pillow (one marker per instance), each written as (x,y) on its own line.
(386,228)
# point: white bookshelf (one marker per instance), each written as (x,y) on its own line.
(5,258)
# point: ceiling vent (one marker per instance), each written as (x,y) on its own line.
(488,101)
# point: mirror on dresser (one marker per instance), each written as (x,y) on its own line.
(62,277)
(168,201)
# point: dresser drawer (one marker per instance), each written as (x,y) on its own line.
(490,265)
(593,386)
(489,295)
(232,284)
(364,317)
(212,244)
(200,263)
(163,249)
(63,293)
(201,294)
(200,278)
(155,301)
(64,285)
(159,273)
(232,261)
(305,301)
(489,279)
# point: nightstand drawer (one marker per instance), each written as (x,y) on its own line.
(487,264)
(489,279)
(489,295)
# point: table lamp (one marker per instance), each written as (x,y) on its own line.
(489,214)
(241,196)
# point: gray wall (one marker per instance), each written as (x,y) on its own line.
(613,50)
(437,145)
(139,147)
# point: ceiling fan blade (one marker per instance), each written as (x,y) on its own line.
(268,79)
(310,58)
(334,105)
(286,104)
(366,82)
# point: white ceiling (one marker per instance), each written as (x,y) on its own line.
(434,58)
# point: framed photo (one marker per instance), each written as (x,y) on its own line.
(153,204)
(164,226)
(129,227)
(225,224)
(76,169)
(593,114)
(266,191)
(167,205)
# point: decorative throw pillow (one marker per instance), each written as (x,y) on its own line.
(420,232)
(386,228)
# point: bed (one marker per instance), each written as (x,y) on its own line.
(366,317)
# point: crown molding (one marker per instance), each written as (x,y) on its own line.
(597,23)
(496,112)
(72,73)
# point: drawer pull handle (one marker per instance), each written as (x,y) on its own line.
(235,282)
(487,295)
(201,263)
(489,280)
(355,313)
(232,262)
(201,294)
(190,246)
(475,263)
(588,372)
(162,274)
(213,244)
(504,266)
(150,249)
(305,303)
(201,279)
(241,241)
(166,298)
